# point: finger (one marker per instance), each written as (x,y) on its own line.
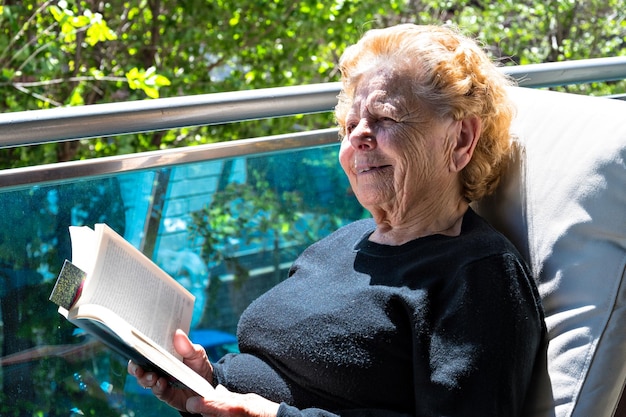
(183,345)
(164,391)
(148,379)
(144,378)
(193,355)
(159,386)
(197,405)
(173,396)
(134,369)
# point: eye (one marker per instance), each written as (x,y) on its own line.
(387,120)
(350,126)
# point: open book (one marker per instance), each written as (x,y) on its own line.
(114,292)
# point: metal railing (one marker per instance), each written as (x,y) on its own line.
(100,120)
(42,174)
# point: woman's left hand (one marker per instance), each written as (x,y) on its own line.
(229,404)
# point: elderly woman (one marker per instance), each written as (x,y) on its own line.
(424,310)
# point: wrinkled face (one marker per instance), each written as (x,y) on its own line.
(396,153)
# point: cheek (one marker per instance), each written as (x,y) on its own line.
(410,149)
(346,157)
(416,160)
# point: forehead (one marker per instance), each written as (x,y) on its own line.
(384,85)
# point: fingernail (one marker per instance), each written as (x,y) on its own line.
(149,377)
(192,404)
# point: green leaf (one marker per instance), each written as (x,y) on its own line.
(147,80)
(76,99)
(57,14)
(151,92)
(79,21)
(99,31)
(8,73)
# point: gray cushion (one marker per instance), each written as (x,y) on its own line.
(563,203)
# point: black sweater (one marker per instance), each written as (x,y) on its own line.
(439,326)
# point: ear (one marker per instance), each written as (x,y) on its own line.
(466,140)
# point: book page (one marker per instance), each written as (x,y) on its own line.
(84,247)
(128,283)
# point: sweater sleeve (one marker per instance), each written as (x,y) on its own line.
(289,411)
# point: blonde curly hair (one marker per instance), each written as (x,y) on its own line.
(453,76)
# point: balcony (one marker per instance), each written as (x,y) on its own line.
(226,220)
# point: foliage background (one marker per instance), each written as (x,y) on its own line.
(81,52)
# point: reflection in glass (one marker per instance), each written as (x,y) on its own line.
(227,229)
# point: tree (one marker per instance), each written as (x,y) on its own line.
(80,52)
(528,32)
(85,52)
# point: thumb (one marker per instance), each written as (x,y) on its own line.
(193,355)
(183,345)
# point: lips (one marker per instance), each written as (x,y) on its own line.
(364,169)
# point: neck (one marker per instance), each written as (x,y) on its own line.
(433,221)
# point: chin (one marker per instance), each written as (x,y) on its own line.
(372,203)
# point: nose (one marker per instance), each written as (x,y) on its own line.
(362,136)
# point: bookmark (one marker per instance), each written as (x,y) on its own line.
(69,285)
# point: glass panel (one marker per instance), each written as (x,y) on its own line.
(227,229)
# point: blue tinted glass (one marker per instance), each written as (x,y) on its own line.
(227,229)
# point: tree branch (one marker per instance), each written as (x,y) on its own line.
(22,30)
(38,96)
(62,80)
